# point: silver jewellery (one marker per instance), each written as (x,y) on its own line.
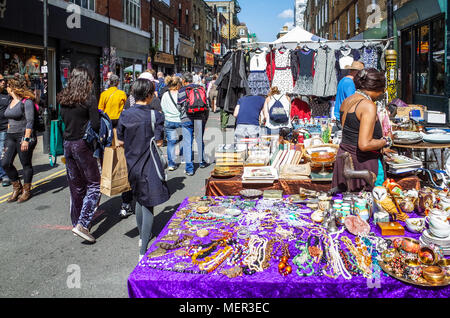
(364,94)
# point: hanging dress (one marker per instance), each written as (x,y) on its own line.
(258,80)
(283,74)
(303,61)
(369,56)
(345,57)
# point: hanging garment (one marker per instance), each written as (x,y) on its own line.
(300,109)
(258,80)
(369,56)
(232,82)
(283,74)
(345,57)
(270,69)
(324,81)
(302,65)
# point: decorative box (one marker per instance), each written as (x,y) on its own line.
(391,229)
(273,194)
(380,217)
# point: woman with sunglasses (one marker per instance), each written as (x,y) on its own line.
(20,137)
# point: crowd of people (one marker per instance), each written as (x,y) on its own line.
(156,108)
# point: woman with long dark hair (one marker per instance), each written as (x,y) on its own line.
(137,126)
(78,107)
(362,135)
(20,137)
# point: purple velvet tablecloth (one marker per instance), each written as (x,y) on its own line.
(146,282)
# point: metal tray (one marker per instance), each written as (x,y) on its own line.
(446,281)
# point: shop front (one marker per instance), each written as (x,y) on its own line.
(185,55)
(128,58)
(422,27)
(22,51)
(164,62)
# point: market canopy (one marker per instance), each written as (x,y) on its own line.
(298,34)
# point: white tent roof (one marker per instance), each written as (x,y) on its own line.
(297,34)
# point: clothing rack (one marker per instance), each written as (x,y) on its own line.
(333,44)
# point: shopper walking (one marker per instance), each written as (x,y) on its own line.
(137,126)
(212,93)
(20,137)
(5,100)
(172,116)
(187,121)
(277,110)
(112,100)
(78,107)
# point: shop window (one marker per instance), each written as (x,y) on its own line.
(422,60)
(132,13)
(87,4)
(438,58)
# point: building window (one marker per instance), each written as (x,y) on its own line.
(132,13)
(167,39)
(153,32)
(348,22)
(356,16)
(422,60)
(438,58)
(87,4)
(430,58)
(242,32)
(161,35)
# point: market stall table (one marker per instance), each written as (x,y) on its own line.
(148,282)
(233,186)
(423,147)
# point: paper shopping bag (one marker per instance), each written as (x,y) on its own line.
(114,179)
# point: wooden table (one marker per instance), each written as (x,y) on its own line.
(232,186)
(424,146)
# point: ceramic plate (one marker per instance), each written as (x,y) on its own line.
(437,138)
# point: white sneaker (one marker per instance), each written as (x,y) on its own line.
(83,233)
(141,257)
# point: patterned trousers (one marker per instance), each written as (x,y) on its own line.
(83,175)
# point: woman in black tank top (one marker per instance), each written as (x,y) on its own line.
(362,133)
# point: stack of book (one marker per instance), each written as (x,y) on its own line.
(259,175)
(402,164)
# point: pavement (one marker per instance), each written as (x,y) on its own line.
(41,258)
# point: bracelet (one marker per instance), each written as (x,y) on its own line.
(388,142)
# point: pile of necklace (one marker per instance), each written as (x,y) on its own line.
(234,237)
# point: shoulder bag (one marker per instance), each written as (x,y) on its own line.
(159,154)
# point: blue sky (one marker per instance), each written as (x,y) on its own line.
(266,17)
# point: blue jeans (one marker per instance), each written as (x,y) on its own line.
(2,147)
(172,139)
(188,136)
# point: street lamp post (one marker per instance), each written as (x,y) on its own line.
(391,55)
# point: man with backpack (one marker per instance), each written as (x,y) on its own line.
(193,106)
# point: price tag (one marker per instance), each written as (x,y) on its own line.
(44,69)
